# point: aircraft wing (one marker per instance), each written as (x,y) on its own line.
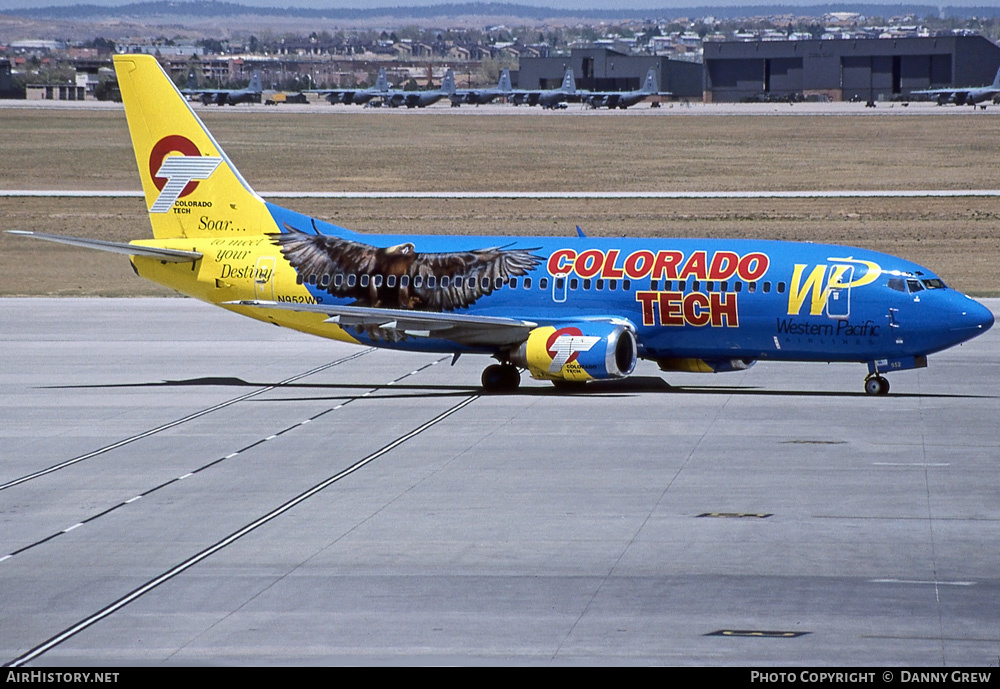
(396,324)
(936,92)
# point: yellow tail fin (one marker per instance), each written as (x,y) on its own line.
(192,189)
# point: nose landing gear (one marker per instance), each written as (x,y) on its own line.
(876,385)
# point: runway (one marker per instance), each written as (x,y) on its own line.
(179,486)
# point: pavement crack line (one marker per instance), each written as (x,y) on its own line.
(611,570)
(209,465)
(181,567)
(178,422)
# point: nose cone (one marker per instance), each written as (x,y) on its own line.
(972,318)
(986,318)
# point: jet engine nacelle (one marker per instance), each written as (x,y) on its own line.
(578,351)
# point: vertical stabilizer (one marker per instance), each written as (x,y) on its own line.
(650,85)
(569,82)
(191,187)
(448,82)
(504,84)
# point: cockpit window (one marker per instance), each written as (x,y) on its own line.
(914,285)
(933,283)
(897,284)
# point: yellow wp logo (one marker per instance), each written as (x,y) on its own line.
(823,279)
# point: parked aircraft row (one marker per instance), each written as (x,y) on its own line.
(251,94)
(381,93)
(384,95)
(566,309)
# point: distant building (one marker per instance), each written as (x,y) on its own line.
(841,70)
(77,91)
(603,69)
(36,46)
(7,88)
(162,50)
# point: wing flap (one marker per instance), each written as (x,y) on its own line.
(461,328)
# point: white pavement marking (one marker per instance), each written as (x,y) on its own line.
(805,194)
(231,538)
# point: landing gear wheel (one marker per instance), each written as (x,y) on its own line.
(501,378)
(511,377)
(876,385)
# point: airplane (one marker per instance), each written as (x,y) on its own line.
(971,95)
(251,94)
(624,99)
(566,310)
(421,99)
(356,96)
(549,98)
(483,96)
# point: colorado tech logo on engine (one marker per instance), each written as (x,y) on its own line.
(565,345)
(178,175)
(670,308)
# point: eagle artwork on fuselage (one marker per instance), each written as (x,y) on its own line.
(399,277)
(567,310)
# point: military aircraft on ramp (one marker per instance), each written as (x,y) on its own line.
(567,310)
(421,99)
(356,96)
(624,99)
(966,95)
(250,94)
(548,98)
(483,96)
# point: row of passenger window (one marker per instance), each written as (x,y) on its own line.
(418,281)
(431,282)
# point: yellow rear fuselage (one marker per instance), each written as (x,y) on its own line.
(237,269)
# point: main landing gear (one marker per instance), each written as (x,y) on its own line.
(503,377)
(876,385)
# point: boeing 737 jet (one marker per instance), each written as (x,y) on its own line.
(567,310)
(250,94)
(967,95)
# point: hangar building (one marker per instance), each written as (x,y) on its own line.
(863,69)
(603,69)
(7,87)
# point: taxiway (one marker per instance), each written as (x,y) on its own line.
(179,485)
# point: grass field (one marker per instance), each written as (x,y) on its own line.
(413,151)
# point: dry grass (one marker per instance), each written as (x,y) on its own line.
(368,151)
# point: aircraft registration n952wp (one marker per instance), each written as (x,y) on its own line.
(568,310)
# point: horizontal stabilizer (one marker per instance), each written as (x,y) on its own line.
(168,255)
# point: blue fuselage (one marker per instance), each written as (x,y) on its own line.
(716,299)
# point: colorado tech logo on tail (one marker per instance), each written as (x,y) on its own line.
(177,175)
